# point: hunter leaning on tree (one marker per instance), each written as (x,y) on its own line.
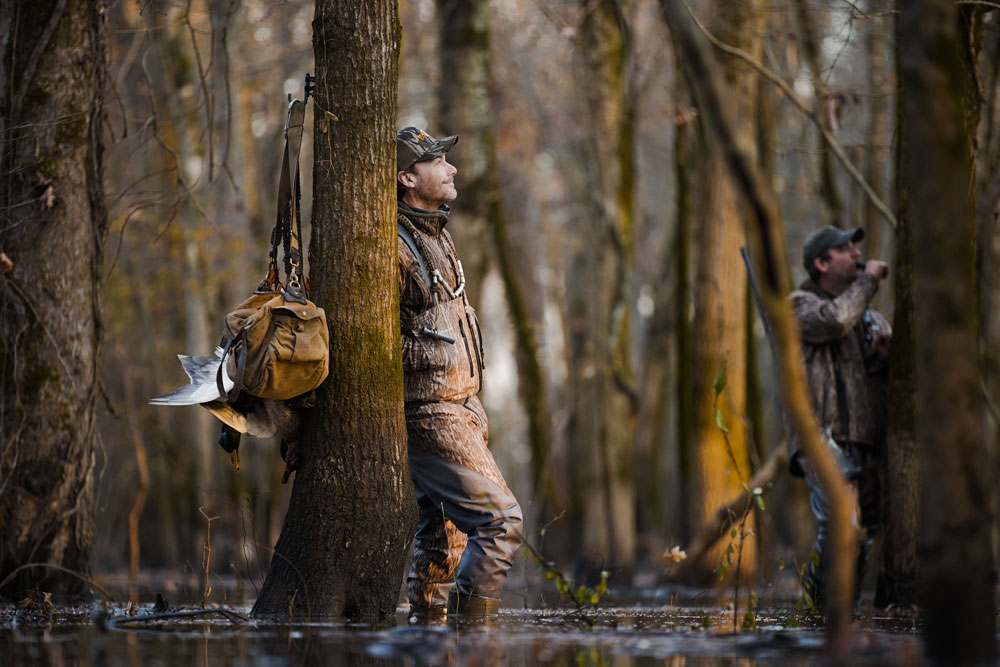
(845,346)
(469,527)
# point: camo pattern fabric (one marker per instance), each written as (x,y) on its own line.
(450,424)
(844,328)
(414,145)
(432,573)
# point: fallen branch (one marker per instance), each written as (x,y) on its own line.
(115,622)
(60,568)
(728,515)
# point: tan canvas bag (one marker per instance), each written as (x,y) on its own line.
(279,348)
(276,344)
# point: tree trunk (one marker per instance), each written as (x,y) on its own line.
(876,154)
(467,110)
(52,228)
(351,515)
(958,572)
(827,173)
(682,315)
(603,414)
(897,580)
(721,461)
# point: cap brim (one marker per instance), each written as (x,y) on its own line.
(439,148)
(853,235)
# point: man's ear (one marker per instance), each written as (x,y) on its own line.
(821,264)
(406,179)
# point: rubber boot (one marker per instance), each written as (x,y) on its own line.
(463,604)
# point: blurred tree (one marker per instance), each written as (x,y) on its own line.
(897,578)
(351,515)
(938,46)
(604,402)
(825,100)
(467,109)
(53,70)
(720,460)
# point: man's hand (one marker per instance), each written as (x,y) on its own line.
(877,268)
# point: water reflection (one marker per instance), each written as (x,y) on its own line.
(631,637)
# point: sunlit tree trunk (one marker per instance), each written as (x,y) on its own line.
(351,515)
(52,229)
(957,568)
(721,462)
(603,415)
(682,314)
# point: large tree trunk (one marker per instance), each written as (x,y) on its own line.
(53,225)
(721,461)
(958,571)
(344,542)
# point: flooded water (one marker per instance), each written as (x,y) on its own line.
(626,636)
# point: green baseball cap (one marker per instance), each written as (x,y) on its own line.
(414,145)
(825,238)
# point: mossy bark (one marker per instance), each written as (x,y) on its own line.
(602,421)
(343,546)
(52,227)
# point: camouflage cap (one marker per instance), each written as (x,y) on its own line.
(414,145)
(825,238)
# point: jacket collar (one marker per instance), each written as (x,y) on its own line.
(809,286)
(429,222)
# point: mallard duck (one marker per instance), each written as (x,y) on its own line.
(258,418)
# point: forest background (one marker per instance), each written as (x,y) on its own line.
(601,244)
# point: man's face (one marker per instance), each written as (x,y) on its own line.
(837,273)
(431,183)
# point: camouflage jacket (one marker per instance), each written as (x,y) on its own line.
(841,331)
(441,379)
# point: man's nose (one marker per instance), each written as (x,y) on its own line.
(853,249)
(452,170)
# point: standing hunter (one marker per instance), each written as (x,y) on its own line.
(470,523)
(845,346)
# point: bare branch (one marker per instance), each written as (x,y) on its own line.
(812,115)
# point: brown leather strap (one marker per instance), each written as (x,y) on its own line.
(241,363)
(287,229)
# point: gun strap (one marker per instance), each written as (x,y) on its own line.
(404,233)
(841,393)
